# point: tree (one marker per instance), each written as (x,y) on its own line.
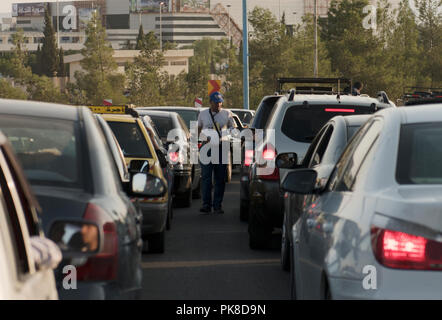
(98,81)
(49,51)
(7,91)
(140,37)
(61,67)
(144,74)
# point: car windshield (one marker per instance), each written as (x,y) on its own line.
(244,116)
(131,139)
(303,123)
(420,154)
(48,149)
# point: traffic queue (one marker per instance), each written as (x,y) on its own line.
(352,182)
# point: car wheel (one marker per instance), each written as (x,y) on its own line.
(244,210)
(285,249)
(259,232)
(186,200)
(157,242)
(169,216)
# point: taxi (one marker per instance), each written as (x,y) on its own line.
(140,155)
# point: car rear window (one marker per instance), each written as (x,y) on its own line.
(420,154)
(303,123)
(131,139)
(264,111)
(48,149)
(187,115)
(163,125)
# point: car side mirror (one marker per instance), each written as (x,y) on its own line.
(287,160)
(75,238)
(147,185)
(136,166)
(302,181)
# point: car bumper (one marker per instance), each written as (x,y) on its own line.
(390,284)
(266,194)
(154,217)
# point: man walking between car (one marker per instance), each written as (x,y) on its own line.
(217,120)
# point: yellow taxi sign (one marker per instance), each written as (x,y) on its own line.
(109,109)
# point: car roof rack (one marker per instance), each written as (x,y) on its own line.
(315,87)
(421,95)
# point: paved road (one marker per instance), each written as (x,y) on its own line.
(208,258)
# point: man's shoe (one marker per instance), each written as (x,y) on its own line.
(205,210)
(218,211)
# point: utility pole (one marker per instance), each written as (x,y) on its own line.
(161,26)
(58,25)
(316,39)
(228,16)
(245,31)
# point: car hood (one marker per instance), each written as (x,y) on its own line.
(60,203)
(421,205)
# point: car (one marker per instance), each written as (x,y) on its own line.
(246,116)
(140,156)
(187,175)
(294,123)
(72,172)
(22,274)
(188,114)
(321,156)
(260,119)
(374,230)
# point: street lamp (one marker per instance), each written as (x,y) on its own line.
(316,40)
(58,25)
(161,26)
(245,31)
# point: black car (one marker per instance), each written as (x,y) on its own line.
(77,177)
(260,119)
(188,114)
(187,181)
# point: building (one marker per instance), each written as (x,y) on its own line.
(176,61)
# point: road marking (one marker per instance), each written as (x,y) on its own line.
(207,263)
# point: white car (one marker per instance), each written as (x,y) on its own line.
(375,230)
(27,258)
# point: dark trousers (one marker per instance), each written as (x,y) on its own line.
(218,171)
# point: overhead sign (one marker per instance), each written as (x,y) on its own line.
(195,6)
(28,9)
(148,6)
(214,85)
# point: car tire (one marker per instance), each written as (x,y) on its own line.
(186,200)
(244,210)
(259,232)
(169,216)
(156,242)
(285,249)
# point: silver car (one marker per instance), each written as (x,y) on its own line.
(375,230)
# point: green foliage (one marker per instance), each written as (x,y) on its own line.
(7,91)
(49,50)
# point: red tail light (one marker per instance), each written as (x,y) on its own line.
(104,265)
(269,154)
(200,145)
(248,158)
(340,110)
(174,157)
(401,250)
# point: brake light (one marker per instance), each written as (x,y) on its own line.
(340,110)
(200,145)
(248,158)
(269,154)
(174,157)
(401,250)
(104,265)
